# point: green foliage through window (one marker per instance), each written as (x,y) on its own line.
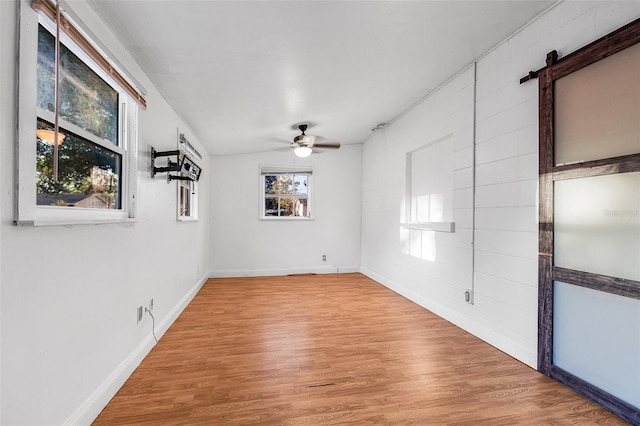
(86,100)
(88,174)
(89,159)
(286,195)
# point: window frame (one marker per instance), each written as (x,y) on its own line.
(186,147)
(27,212)
(192,201)
(279,171)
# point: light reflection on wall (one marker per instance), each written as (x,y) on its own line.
(428,197)
(419,243)
(427,208)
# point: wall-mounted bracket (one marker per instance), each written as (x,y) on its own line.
(552,59)
(170,167)
(187,168)
(178,177)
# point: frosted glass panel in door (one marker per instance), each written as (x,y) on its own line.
(597,109)
(597,225)
(596,336)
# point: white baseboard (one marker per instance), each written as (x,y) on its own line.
(86,413)
(237,273)
(480,328)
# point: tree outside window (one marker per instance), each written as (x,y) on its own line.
(286,195)
(89,159)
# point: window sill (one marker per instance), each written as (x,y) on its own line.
(187,219)
(286,218)
(69,222)
(430,226)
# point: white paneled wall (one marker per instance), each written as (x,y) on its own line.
(244,245)
(504,270)
(440,284)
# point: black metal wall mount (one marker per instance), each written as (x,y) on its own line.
(186,168)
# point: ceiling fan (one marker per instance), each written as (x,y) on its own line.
(303,145)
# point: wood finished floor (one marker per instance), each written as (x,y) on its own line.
(332,349)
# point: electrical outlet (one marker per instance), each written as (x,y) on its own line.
(139,312)
(468,296)
(151,305)
(324,257)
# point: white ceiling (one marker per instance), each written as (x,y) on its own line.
(242,72)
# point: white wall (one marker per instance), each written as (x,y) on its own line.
(506,146)
(69,293)
(243,245)
(7,97)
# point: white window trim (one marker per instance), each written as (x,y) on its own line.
(27,212)
(281,170)
(193,200)
(185,146)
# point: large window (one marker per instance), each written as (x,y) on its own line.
(86,170)
(285,194)
(77,131)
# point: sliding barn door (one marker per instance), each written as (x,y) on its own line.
(590,221)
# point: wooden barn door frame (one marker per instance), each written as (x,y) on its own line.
(555,69)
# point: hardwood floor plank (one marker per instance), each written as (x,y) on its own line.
(332,349)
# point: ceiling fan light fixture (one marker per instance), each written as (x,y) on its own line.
(303,151)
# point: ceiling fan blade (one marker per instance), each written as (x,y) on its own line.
(326,144)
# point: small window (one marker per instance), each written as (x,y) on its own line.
(187,188)
(286,194)
(187,200)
